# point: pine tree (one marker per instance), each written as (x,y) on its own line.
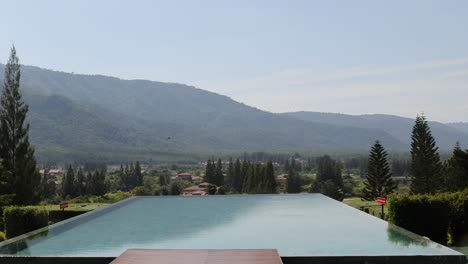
(379,181)
(90,184)
(425,160)
(455,170)
(230,175)
(16,153)
(131,177)
(293,181)
(138,175)
(237,179)
(68,183)
(127,178)
(270,180)
(209,172)
(249,183)
(258,180)
(219,177)
(43,187)
(100,185)
(244,171)
(80,187)
(286,166)
(329,169)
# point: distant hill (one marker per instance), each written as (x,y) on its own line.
(79,117)
(461,126)
(398,127)
(89,116)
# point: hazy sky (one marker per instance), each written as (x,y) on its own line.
(394,57)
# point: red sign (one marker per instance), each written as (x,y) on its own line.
(63,205)
(381,200)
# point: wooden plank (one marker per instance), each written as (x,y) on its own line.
(193,256)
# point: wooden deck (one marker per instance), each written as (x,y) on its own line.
(211,256)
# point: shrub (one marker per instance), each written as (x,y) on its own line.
(20,220)
(5,200)
(434,216)
(164,190)
(211,189)
(221,190)
(175,188)
(156,190)
(2,236)
(59,215)
(458,211)
(466,214)
(140,191)
(116,196)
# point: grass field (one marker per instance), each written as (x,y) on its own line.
(374,208)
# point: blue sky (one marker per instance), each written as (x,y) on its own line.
(393,57)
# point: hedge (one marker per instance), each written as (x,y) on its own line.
(434,216)
(59,215)
(2,236)
(20,220)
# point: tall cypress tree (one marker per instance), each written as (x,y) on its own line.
(16,153)
(379,178)
(425,160)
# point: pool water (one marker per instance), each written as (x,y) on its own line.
(296,225)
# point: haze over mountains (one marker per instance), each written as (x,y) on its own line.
(79,116)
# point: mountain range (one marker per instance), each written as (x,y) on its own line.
(80,117)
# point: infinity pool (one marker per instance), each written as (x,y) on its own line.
(296,225)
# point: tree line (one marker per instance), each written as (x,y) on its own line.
(81,181)
(242,177)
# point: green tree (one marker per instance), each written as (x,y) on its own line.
(68,183)
(455,170)
(293,181)
(329,169)
(100,184)
(219,177)
(16,153)
(138,176)
(330,189)
(425,160)
(80,185)
(237,180)
(249,183)
(269,179)
(230,175)
(6,182)
(47,187)
(210,172)
(379,181)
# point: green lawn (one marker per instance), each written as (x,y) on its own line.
(374,207)
(76,206)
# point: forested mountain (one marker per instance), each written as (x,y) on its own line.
(90,116)
(398,127)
